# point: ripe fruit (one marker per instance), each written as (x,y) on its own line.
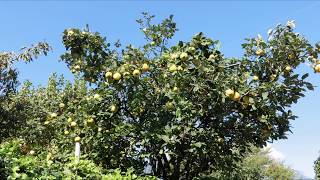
(212,56)
(175,89)
(169,105)
(69,120)
(229,93)
(61,105)
(66,132)
(145,67)
(108,74)
(192,49)
(173,68)
(116,76)
(174,56)
(255,78)
(288,68)
(183,56)
(77,139)
(126,73)
(53,115)
(32,152)
(220,140)
(317,68)
(96,96)
(73,124)
(236,96)
(70,33)
(113,108)
(92,80)
(77,68)
(90,120)
(158,90)
(136,73)
(273,77)
(260,52)
(291,56)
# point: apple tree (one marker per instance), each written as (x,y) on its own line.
(186,110)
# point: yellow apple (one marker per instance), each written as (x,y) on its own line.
(90,120)
(317,68)
(173,68)
(145,67)
(70,32)
(73,124)
(212,56)
(183,56)
(260,52)
(96,96)
(136,73)
(77,139)
(273,77)
(77,68)
(61,105)
(229,93)
(108,75)
(192,49)
(113,108)
(236,96)
(174,56)
(288,68)
(169,105)
(32,152)
(175,89)
(53,115)
(291,56)
(116,76)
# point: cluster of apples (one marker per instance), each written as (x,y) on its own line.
(136,73)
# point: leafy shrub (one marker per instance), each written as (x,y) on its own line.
(21,163)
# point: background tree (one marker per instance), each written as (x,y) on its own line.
(9,82)
(317,168)
(257,164)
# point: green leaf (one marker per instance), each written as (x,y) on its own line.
(305,76)
(309,86)
(265,95)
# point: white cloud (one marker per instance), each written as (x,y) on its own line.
(275,154)
(280,157)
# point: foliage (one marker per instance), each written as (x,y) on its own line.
(9,118)
(317,168)
(19,164)
(187,109)
(8,73)
(256,164)
(175,112)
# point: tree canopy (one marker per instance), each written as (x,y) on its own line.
(173,112)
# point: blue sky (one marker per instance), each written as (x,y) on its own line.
(26,22)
